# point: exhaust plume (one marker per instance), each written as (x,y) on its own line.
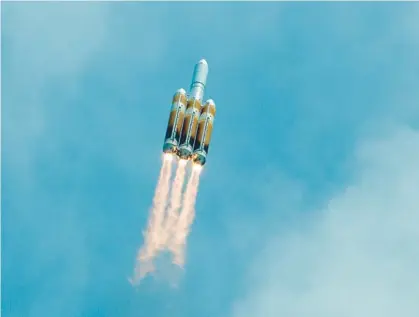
(175,203)
(153,235)
(186,217)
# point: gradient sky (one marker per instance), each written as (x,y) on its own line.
(309,203)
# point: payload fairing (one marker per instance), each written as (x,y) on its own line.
(189,129)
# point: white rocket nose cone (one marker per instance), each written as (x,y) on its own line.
(203,61)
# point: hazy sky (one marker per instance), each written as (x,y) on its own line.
(309,202)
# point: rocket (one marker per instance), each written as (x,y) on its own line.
(189,129)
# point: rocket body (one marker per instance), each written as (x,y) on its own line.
(174,126)
(189,129)
(203,139)
(190,126)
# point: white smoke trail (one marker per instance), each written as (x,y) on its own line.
(153,235)
(186,217)
(174,204)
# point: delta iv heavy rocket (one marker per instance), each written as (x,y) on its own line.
(189,129)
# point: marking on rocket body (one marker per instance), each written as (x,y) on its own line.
(205,132)
(178,109)
(208,118)
(191,115)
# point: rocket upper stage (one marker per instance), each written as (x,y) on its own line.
(199,80)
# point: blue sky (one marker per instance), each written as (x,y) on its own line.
(307,205)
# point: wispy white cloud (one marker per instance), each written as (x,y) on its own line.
(46,247)
(357,257)
(43,43)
